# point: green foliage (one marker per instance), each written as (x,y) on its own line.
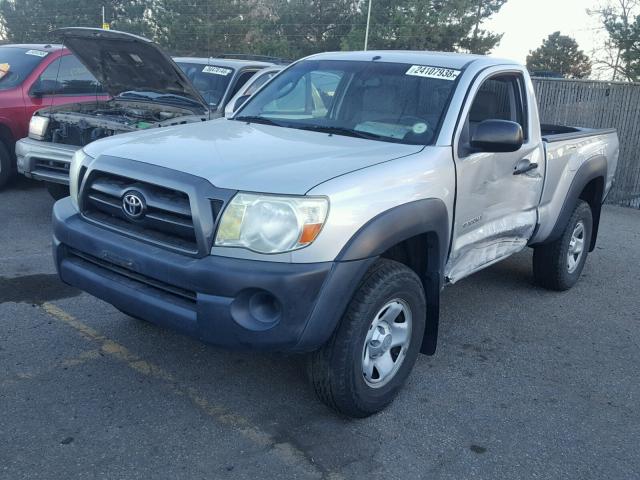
(290,28)
(622,23)
(559,54)
(441,25)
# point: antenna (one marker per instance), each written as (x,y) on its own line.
(366,33)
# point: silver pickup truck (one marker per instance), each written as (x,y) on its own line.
(327,215)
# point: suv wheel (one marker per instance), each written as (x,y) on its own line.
(57,190)
(6,165)
(367,360)
(558,265)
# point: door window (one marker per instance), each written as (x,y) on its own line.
(67,76)
(499,98)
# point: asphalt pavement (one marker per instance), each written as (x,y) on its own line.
(526,383)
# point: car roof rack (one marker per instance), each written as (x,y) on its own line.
(257,58)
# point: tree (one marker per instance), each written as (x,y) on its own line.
(31,21)
(621,52)
(559,54)
(442,25)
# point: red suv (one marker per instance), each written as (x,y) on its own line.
(32,77)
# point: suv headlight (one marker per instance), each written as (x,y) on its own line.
(38,127)
(270,223)
(78,160)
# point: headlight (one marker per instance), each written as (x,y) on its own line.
(271,224)
(79,160)
(38,127)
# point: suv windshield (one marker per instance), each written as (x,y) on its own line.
(210,80)
(393,102)
(16,64)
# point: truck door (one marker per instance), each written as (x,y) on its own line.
(65,80)
(497,193)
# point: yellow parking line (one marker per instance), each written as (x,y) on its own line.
(285,451)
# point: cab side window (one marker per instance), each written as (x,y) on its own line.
(501,97)
(67,76)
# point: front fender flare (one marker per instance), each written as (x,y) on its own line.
(428,216)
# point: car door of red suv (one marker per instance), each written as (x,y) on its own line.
(63,80)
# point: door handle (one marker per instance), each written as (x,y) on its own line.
(523,166)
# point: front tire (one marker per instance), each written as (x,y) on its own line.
(367,360)
(57,190)
(6,165)
(558,265)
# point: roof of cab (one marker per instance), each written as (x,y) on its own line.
(437,59)
(48,47)
(223,62)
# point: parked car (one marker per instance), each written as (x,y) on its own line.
(255,83)
(220,79)
(328,213)
(28,82)
(148,89)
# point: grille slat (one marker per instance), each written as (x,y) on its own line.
(167,220)
(52,165)
(174,290)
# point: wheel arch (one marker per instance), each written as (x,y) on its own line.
(588,185)
(417,235)
(7,138)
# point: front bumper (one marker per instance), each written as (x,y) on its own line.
(44,160)
(224,301)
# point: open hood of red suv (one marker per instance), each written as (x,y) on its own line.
(124,62)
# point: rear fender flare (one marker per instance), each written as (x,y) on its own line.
(594,168)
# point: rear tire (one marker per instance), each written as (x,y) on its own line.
(370,355)
(6,165)
(558,265)
(57,190)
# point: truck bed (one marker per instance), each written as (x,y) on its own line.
(561,133)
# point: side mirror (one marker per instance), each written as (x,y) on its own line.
(498,136)
(240,101)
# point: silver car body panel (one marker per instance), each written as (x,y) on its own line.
(563,161)
(44,160)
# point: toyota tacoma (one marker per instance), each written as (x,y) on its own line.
(328,213)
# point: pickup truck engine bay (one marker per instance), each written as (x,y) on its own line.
(328,213)
(81,124)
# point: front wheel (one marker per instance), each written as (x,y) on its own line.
(6,165)
(558,265)
(367,360)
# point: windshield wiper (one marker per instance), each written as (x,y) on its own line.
(348,132)
(133,94)
(256,119)
(180,98)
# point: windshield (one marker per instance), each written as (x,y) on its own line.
(392,102)
(16,64)
(210,80)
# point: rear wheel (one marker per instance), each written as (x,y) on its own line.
(6,165)
(367,360)
(558,265)
(57,190)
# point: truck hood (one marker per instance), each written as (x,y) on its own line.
(124,62)
(251,157)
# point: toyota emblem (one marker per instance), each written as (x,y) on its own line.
(133,205)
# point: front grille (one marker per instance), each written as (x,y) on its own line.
(167,220)
(53,166)
(124,274)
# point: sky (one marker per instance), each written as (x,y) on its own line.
(525,23)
